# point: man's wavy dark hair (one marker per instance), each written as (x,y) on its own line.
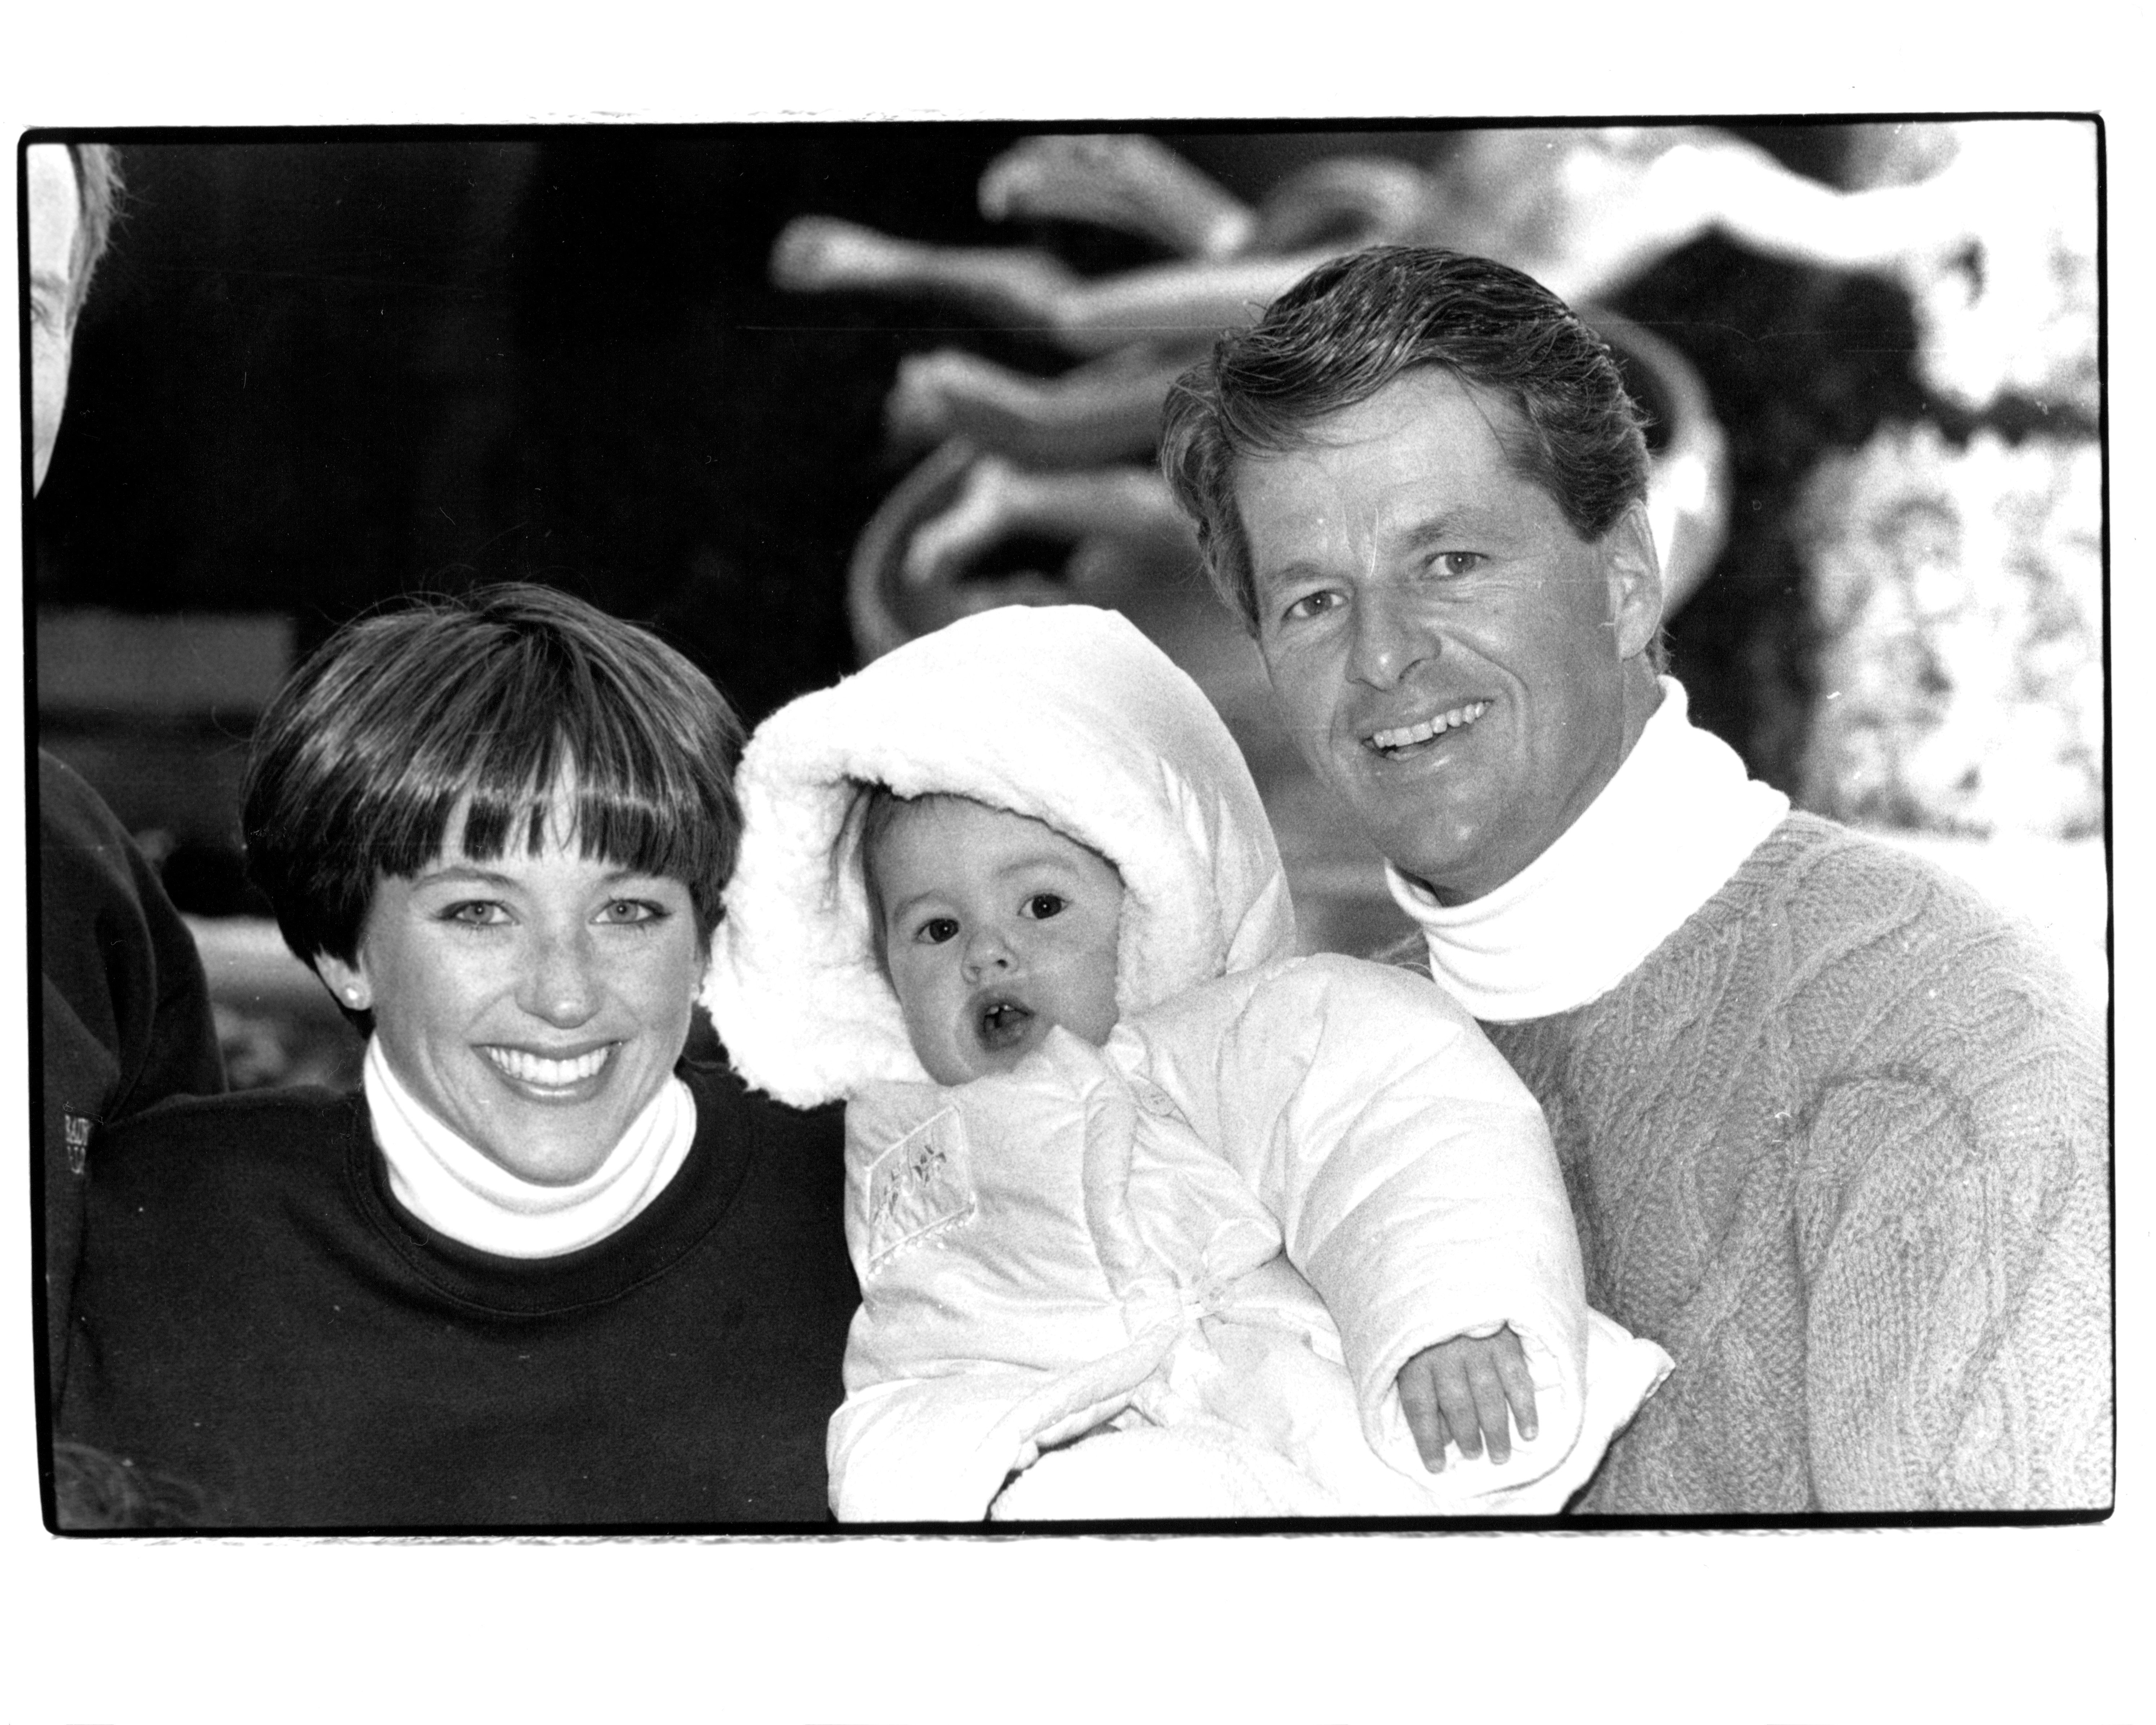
(1356,324)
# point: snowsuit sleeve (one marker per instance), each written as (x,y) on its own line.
(1411,1170)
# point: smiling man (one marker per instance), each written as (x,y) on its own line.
(1834,1129)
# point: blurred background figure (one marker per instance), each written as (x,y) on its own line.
(72,190)
(124,1018)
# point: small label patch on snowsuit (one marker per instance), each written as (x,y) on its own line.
(919,1186)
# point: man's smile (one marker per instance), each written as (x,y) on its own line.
(1391,739)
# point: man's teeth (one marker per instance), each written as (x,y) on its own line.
(536,1068)
(1428,728)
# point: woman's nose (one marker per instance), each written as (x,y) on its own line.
(562,985)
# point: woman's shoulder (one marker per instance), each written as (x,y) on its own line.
(251,1113)
(300,1128)
(727,1108)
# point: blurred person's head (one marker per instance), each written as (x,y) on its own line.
(73,189)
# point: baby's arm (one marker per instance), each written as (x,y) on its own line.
(1461,1391)
(1411,1170)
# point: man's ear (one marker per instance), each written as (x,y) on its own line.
(348,982)
(1633,567)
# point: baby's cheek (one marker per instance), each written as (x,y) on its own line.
(1094,1009)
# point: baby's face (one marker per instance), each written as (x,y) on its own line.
(995,927)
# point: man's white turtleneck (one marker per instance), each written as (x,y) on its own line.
(1664,836)
(456,1190)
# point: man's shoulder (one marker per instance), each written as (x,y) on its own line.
(1818,877)
(1844,915)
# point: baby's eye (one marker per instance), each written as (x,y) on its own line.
(1044,905)
(937,930)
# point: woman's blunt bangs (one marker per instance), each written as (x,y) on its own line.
(498,704)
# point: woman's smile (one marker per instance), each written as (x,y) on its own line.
(546,1077)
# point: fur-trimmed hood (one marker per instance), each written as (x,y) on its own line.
(1065,713)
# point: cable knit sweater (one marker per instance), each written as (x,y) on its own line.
(1840,1145)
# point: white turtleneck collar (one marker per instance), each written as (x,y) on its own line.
(1664,836)
(456,1190)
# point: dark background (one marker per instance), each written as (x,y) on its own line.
(318,371)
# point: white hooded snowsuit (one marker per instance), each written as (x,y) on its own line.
(1222,1235)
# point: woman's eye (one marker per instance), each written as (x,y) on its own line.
(632,909)
(1044,905)
(475,913)
(937,930)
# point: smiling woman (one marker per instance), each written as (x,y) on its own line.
(539,1001)
(549,1269)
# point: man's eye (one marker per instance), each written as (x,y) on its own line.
(1044,905)
(1309,605)
(937,930)
(1459,562)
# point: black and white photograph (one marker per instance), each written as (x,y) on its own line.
(987,848)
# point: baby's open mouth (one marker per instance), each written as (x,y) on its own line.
(1002,1023)
(1398,739)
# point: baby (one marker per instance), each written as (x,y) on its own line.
(1267,1233)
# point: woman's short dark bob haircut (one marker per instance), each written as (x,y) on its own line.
(1354,325)
(500,696)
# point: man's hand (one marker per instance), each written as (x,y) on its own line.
(1459,1392)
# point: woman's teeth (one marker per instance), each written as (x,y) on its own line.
(528,1068)
(1428,728)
